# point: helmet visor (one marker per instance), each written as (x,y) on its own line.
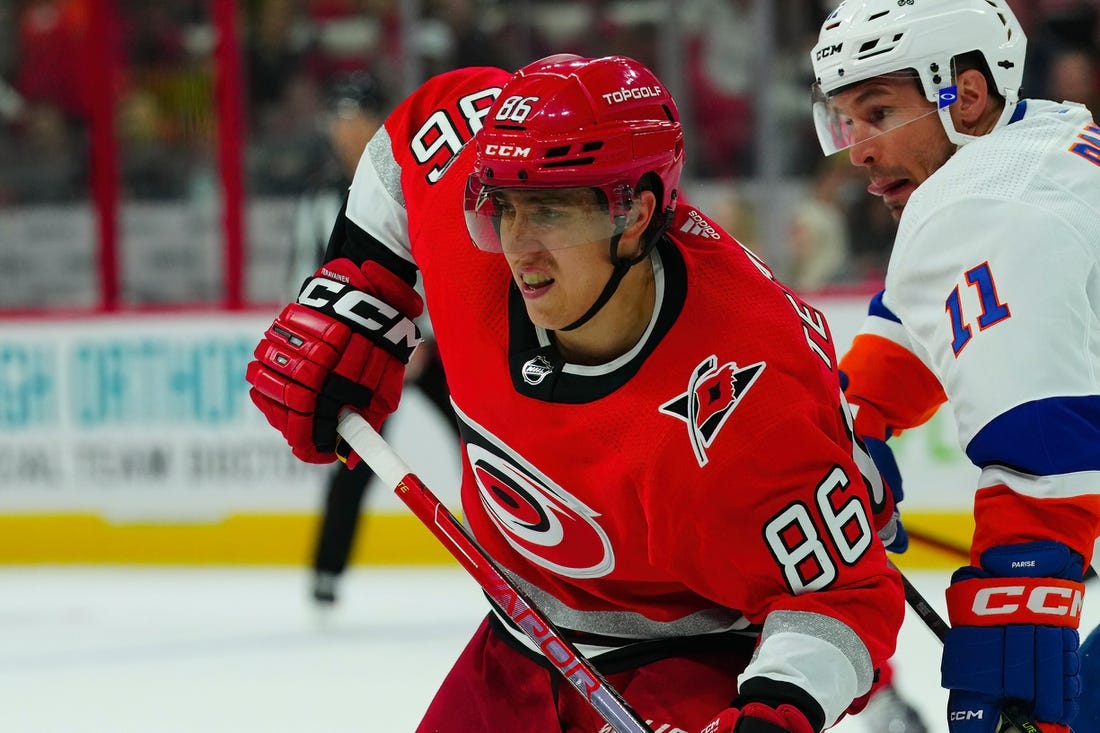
(865,111)
(507,219)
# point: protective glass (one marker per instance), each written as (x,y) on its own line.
(507,219)
(870,109)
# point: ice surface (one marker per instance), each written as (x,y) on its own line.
(207,650)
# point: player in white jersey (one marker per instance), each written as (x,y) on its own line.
(992,301)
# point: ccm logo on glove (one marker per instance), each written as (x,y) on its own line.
(1046,600)
(399,335)
(1039,600)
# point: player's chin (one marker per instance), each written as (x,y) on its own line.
(896,201)
(896,210)
(543,315)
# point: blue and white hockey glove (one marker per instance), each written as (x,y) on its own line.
(1014,637)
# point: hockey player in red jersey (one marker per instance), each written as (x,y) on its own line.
(656,447)
(991,301)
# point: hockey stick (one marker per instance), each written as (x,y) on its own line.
(509,599)
(964,553)
(938,543)
(1010,715)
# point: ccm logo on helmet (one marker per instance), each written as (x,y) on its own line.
(828,51)
(386,326)
(624,94)
(1047,600)
(507,151)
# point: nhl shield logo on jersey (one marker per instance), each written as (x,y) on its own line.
(537,369)
(713,391)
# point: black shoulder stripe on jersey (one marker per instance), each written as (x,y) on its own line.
(350,241)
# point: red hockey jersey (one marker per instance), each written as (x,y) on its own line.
(704,482)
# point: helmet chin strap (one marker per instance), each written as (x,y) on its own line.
(621,267)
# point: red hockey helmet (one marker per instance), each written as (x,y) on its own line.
(572,122)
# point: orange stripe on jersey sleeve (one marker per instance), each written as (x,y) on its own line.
(1005,517)
(892,388)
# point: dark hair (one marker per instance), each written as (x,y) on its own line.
(657,223)
(975,61)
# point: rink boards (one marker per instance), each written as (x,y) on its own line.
(131,439)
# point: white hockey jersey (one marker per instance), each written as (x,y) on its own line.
(994,286)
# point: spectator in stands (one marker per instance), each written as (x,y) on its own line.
(872,231)
(819,245)
(154,34)
(733,213)
(277,47)
(9,35)
(819,233)
(44,160)
(720,75)
(1053,26)
(11,103)
(151,166)
(289,147)
(53,52)
(451,34)
(1074,77)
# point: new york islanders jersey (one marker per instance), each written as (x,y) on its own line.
(992,301)
(705,482)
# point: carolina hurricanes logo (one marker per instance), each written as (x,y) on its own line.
(541,520)
(713,391)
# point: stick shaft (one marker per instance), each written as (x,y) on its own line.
(508,598)
(927,614)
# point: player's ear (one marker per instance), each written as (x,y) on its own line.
(973,101)
(641,213)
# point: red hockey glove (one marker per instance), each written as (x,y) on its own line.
(756,717)
(345,343)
